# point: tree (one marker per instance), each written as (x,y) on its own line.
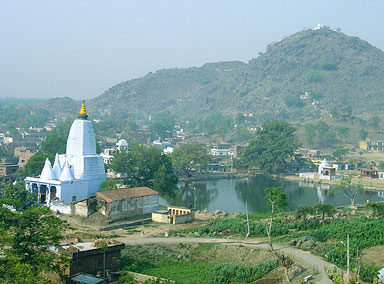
(54,144)
(272,148)
(162,124)
(277,201)
(188,156)
(377,208)
(32,233)
(363,134)
(310,133)
(343,132)
(325,209)
(108,184)
(303,212)
(35,164)
(375,122)
(350,188)
(141,166)
(16,194)
(340,153)
(287,262)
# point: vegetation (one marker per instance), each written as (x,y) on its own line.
(15,195)
(198,265)
(145,166)
(108,184)
(350,187)
(188,156)
(272,148)
(35,164)
(26,240)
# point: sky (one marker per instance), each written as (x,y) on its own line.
(80,49)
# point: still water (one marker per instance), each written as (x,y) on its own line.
(231,194)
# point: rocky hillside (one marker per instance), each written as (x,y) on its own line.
(300,77)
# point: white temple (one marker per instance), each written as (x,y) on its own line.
(75,175)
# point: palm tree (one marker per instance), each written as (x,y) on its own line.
(324,209)
(302,212)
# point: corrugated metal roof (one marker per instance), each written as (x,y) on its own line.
(87,279)
(125,193)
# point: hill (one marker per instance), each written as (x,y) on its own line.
(301,77)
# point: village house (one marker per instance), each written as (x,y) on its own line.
(7,169)
(127,202)
(369,172)
(24,154)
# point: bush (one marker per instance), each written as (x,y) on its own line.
(368,273)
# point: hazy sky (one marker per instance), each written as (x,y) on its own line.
(81,48)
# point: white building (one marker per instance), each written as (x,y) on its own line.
(75,175)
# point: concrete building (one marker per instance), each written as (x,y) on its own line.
(221,150)
(173,215)
(24,154)
(7,170)
(127,202)
(75,175)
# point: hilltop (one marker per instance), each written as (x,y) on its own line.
(298,78)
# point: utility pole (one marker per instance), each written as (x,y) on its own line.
(348,258)
(246,211)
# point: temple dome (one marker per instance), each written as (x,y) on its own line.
(81,139)
(47,172)
(66,175)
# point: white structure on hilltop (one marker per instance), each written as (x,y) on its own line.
(75,175)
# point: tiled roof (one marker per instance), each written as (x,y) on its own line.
(125,193)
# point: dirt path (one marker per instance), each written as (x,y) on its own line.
(307,257)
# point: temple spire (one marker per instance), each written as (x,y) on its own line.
(83,112)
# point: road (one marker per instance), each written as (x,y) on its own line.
(305,256)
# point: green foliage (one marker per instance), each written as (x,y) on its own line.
(15,195)
(363,134)
(376,208)
(276,197)
(293,101)
(272,148)
(303,212)
(54,144)
(108,184)
(30,235)
(324,209)
(310,133)
(342,132)
(313,76)
(188,156)
(191,269)
(369,273)
(145,166)
(328,66)
(162,124)
(35,164)
(340,153)
(375,122)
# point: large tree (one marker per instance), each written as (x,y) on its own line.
(15,194)
(162,124)
(187,156)
(35,164)
(27,239)
(272,148)
(145,166)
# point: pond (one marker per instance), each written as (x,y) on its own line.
(230,194)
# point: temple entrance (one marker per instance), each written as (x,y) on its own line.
(43,194)
(35,191)
(52,192)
